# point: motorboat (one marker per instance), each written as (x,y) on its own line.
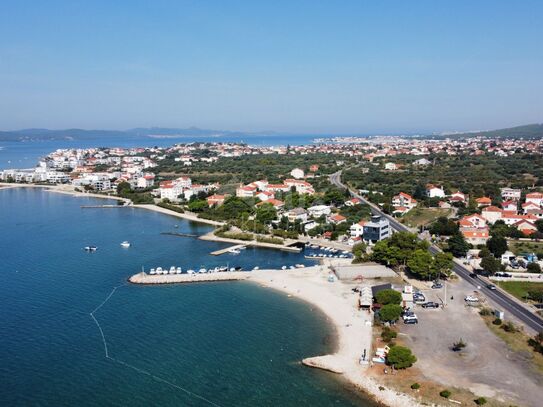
(190,271)
(125,244)
(233,251)
(178,270)
(159,270)
(152,271)
(223,268)
(256,268)
(238,268)
(91,248)
(202,270)
(232,269)
(284,268)
(172,270)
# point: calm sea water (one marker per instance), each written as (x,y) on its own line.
(222,344)
(26,154)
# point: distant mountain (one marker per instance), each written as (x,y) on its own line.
(528,131)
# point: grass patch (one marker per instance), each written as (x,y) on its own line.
(518,342)
(520,246)
(273,240)
(423,216)
(519,289)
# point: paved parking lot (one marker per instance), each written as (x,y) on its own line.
(486,366)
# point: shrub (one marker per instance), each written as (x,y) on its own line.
(388,334)
(171,207)
(445,393)
(415,386)
(497,321)
(273,240)
(485,312)
(480,401)
(509,327)
(458,346)
(400,357)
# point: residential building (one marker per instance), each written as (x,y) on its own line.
(297,173)
(535,197)
(319,210)
(491,214)
(483,201)
(377,229)
(357,229)
(511,194)
(433,191)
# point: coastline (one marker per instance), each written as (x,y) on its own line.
(353,328)
(335,300)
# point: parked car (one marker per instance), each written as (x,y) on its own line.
(430,304)
(437,285)
(491,286)
(411,321)
(471,298)
(410,316)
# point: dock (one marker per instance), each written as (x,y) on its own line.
(227,249)
(144,278)
(104,206)
(178,234)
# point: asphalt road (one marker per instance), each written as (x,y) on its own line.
(499,297)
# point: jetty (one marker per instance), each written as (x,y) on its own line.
(178,234)
(228,249)
(144,278)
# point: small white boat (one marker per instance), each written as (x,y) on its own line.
(178,270)
(172,270)
(223,268)
(91,248)
(256,268)
(125,244)
(232,269)
(284,268)
(190,271)
(152,271)
(159,270)
(233,251)
(300,266)
(292,267)
(202,270)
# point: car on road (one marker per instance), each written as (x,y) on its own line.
(473,275)
(430,304)
(491,286)
(471,298)
(437,285)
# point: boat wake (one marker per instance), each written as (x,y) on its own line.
(137,369)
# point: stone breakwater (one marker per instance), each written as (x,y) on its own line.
(144,278)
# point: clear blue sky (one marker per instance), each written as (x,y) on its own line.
(300,66)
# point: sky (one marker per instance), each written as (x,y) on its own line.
(341,67)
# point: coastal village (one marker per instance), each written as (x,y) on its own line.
(391,287)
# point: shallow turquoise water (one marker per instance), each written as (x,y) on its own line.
(228,344)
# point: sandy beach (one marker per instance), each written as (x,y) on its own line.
(337,301)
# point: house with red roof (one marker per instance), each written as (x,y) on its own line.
(403,200)
(526,227)
(216,200)
(357,229)
(472,221)
(512,218)
(353,202)
(527,206)
(475,236)
(491,214)
(535,197)
(483,201)
(509,206)
(337,219)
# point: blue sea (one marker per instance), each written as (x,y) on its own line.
(209,344)
(25,154)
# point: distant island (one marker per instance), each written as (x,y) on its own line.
(530,131)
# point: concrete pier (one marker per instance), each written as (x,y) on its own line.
(227,249)
(144,278)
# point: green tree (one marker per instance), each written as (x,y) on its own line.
(420,263)
(197,206)
(539,225)
(390,312)
(497,245)
(442,264)
(389,296)
(266,213)
(359,251)
(123,188)
(457,245)
(490,265)
(400,357)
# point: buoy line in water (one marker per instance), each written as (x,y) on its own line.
(137,369)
